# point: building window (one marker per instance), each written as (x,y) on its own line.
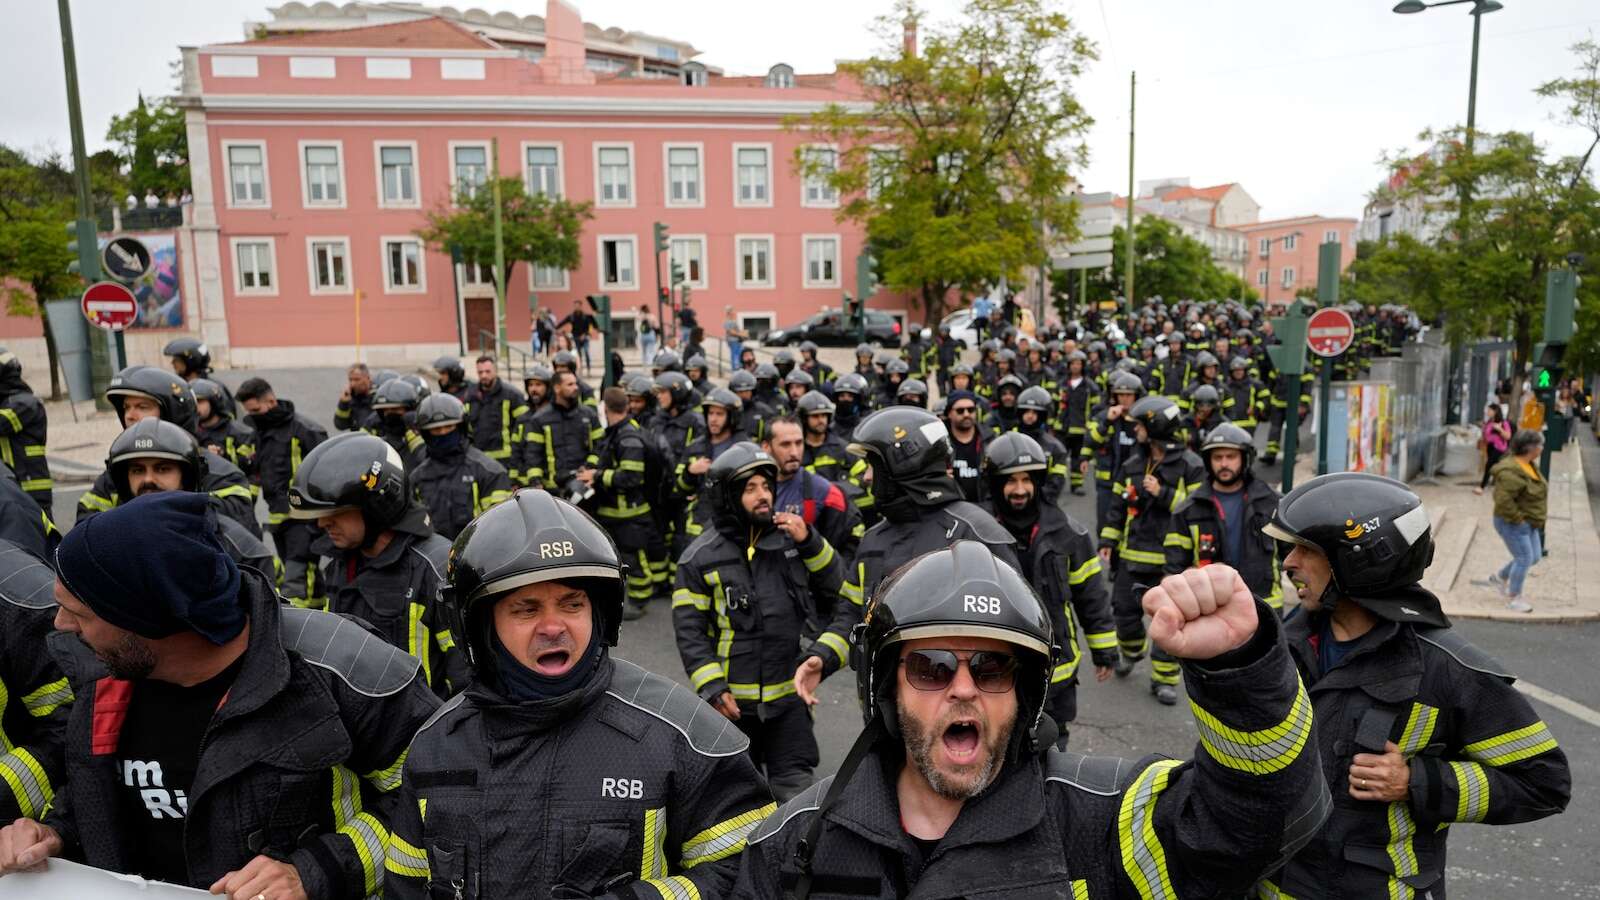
(683,176)
(754,176)
(402,264)
(330,265)
(689,255)
(1288,276)
(381,67)
(247,174)
(818,192)
(1261,278)
(617,268)
(614,168)
(476,274)
(822,261)
(550,277)
(755,262)
(471,162)
(1290,240)
(544,170)
(756,324)
(1266,246)
(881,164)
(397,174)
(253,263)
(780,76)
(1331,236)
(324,181)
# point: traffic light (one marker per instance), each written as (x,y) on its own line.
(1560,305)
(685,294)
(866,275)
(1547,366)
(661,237)
(677,274)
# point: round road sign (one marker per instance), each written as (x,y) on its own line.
(1330,332)
(125,258)
(109,305)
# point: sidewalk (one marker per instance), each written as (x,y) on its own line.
(76,450)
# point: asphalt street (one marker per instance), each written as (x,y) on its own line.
(1549,859)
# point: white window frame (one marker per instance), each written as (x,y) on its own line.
(805,181)
(704,281)
(305,174)
(311,265)
(266,175)
(737,200)
(1291,241)
(416,174)
(534,285)
(805,261)
(633,175)
(457,69)
(873,152)
(600,262)
(1263,277)
(421,287)
(227,65)
(744,317)
(1265,247)
(1288,276)
(488,164)
(313,67)
(1331,236)
(561,166)
(238,271)
(738,263)
(485,268)
(699,149)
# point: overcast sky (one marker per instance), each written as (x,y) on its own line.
(1295,100)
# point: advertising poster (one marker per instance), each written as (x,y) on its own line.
(158,294)
(1352,406)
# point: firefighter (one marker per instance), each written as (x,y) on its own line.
(491,409)
(867,368)
(22,522)
(457,481)
(24,429)
(1205,414)
(33,723)
(1003,417)
(1174,372)
(1245,400)
(382,563)
(679,423)
(833,508)
(968,438)
(1222,520)
(1058,558)
(895,371)
(560,439)
(1109,441)
(912,392)
(394,408)
(796,384)
(754,413)
(622,502)
(191,361)
(695,368)
(218,430)
(850,402)
(1079,396)
(536,385)
(720,409)
(283,438)
(452,378)
(819,371)
(1033,419)
(1204,373)
(1160,474)
(946,353)
(355,404)
(562,771)
(640,391)
(1282,392)
(744,598)
(826,454)
(1417,728)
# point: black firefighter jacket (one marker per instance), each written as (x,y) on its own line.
(744,607)
(1196,537)
(457,487)
(1478,753)
(1073,826)
(300,763)
(34,696)
(491,416)
(283,438)
(629,787)
(24,427)
(556,442)
(1136,524)
(224,482)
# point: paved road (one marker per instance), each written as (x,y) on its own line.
(1554,858)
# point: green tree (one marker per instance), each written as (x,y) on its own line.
(33,244)
(960,164)
(1170,265)
(1400,270)
(536,228)
(153,144)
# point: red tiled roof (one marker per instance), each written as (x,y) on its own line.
(425,34)
(1213,193)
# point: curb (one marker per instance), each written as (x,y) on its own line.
(67,471)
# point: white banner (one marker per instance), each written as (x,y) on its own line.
(62,880)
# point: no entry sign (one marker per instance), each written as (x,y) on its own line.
(1330,332)
(109,305)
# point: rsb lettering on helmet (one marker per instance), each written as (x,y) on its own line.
(981,603)
(143,444)
(556,549)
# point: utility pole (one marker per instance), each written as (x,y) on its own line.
(499,254)
(1133,88)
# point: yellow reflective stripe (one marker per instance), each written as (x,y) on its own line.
(1088,570)
(294,456)
(653,859)
(46,699)
(1266,890)
(366,834)
(1146,557)
(719,600)
(11,418)
(27,780)
(724,839)
(1402,854)
(417,634)
(1472,791)
(623,512)
(37,484)
(686,597)
(1419,728)
(272,517)
(96,502)
(1110,533)
(1163,671)
(1143,858)
(387,779)
(760,693)
(835,643)
(1080,889)
(1101,640)
(445,640)
(631,465)
(405,860)
(1513,746)
(706,674)
(821,559)
(233,490)
(1177,539)
(1064,671)
(674,887)
(1257,752)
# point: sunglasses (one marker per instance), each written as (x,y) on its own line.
(933,670)
(963,411)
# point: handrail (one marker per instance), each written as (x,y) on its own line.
(487,338)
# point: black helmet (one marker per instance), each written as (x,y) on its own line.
(211,391)
(397,394)
(1098,346)
(383,377)
(1007,355)
(912,392)
(420,383)
(530,538)
(170,392)
(356,471)
(195,354)
(1034,398)
(155,439)
(1244,335)
(1126,383)
(960,368)
(723,483)
(808,347)
(939,406)
(1127,364)
(813,402)
(741,380)
(1205,395)
(783,360)
(799,376)
(850,383)
(677,384)
(863,350)
(931,596)
(897,366)
(10,366)
(1238,362)
(1205,358)
(1010,453)
(904,441)
(565,359)
(539,372)
(666,361)
(1375,533)
(1176,337)
(438,409)
(637,385)
(1014,382)
(767,372)
(1231,436)
(728,401)
(1160,417)
(696,361)
(450,368)
(1078,356)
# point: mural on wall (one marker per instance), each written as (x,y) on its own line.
(159,297)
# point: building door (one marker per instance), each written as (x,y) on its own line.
(480,318)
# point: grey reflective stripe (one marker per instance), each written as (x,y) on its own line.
(809,800)
(707,731)
(27,583)
(362,660)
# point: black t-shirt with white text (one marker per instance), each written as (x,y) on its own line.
(966,463)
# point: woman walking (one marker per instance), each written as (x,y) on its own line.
(1521,497)
(1496,435)
(647,336)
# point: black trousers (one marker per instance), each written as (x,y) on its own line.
(783,743)
(1127,611)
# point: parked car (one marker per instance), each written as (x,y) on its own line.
(961,329)
(828,329)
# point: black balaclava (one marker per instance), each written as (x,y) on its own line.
(520,684)
(447,447)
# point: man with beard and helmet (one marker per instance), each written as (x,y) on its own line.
(536,385)
(1079,397)
(457,481)
(676,419)
(720,409)
(1205,415)
(1155,480)
(394,407)
(382,562)
(563,771)
(216,428)
(33,722)
(560,440)
(452,377)
(754,413)
(355,404)
(695,368)
(820,372)
(1003,417)
(743,600)
(784,362)
(1058,557)
(1222,520)
(954,790)
(826,454)
(1033,420)
(796,384)
(1109,442)
(491,410)
(145,392)
(912,392)
(622,502)
(152,456)
(640,391)
(283,438)
(850,403)
(191,361)
(1418,729)
(24,429)
(908,452)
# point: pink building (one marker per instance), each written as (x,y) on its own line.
(1283,253)
(316,155)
